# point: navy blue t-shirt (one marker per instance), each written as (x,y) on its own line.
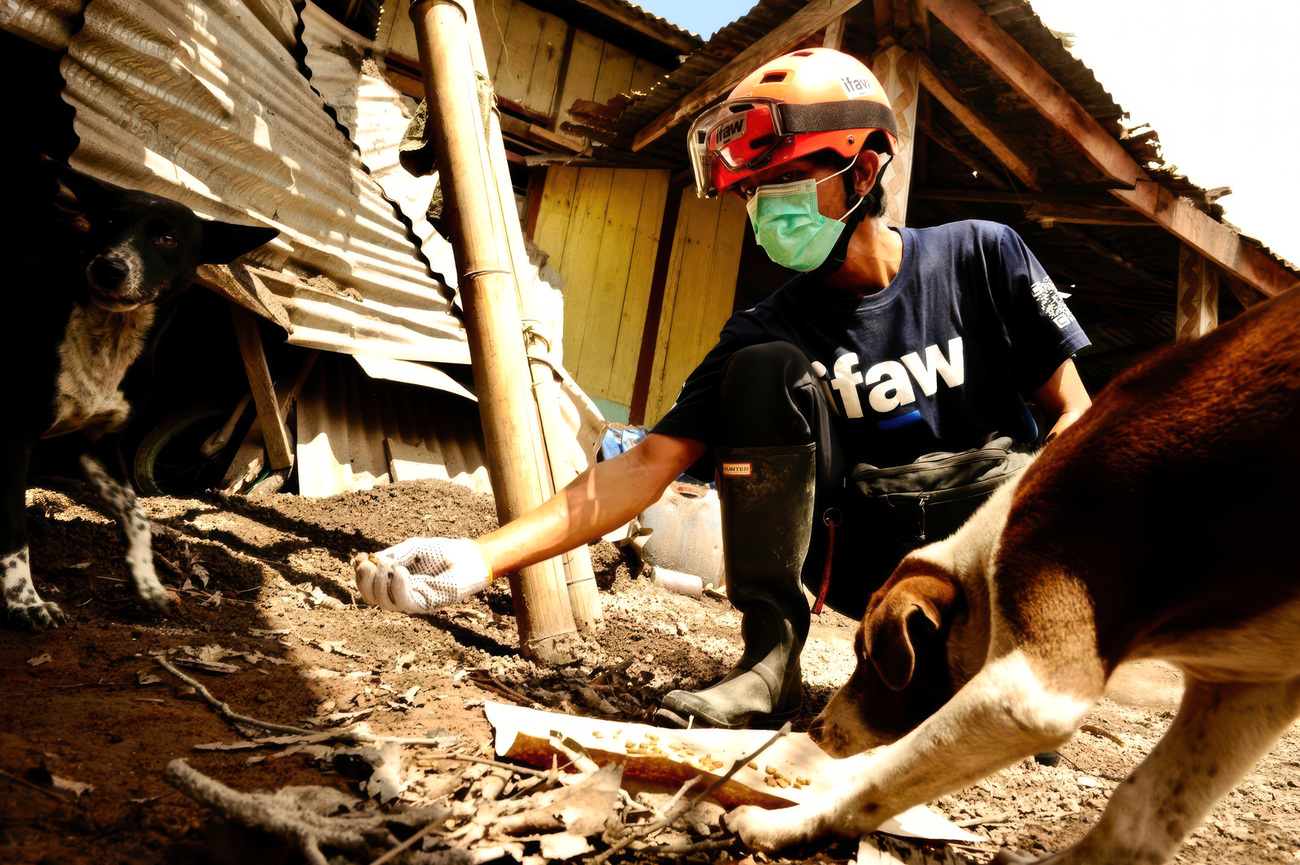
(936,361)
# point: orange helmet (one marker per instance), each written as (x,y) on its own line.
(805,101)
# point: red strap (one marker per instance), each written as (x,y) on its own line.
(831,523)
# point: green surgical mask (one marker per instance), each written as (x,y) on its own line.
(788,226)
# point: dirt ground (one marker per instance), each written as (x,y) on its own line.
(270,596)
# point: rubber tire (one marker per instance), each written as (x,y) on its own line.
(185,424)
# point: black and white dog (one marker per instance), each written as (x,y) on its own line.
(89,287)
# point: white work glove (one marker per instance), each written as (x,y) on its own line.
(420,575)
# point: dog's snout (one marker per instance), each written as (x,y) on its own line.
(108,273)
(817,729)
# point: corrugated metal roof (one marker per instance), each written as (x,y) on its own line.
(657,21)
(47,23)
(355,432)
(351,80)
(204,101)
(720,49)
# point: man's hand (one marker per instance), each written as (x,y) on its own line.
(421,574)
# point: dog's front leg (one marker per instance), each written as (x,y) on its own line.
(134,522)
(1005,713)
(22,605)
(1220,732)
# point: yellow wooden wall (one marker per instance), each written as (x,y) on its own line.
(601,228)
(699,293)
(524,48)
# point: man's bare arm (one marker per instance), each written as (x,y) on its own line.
(1063,398)
(597,501)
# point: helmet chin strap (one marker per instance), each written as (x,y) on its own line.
(840,251)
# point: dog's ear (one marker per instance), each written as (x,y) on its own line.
(914,606)
(223,242)
(76,191)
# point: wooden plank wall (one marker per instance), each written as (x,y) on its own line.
(699,293)
(525,47)
(601,228)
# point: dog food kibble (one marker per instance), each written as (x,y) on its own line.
(596,734)
(618,733)
(769,770)
(753,765)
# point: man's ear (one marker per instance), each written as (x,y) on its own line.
(915,606)
(223,242)
(865,171)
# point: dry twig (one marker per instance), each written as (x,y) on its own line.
(224,708)
(994,818)
(282,815)
(53,794)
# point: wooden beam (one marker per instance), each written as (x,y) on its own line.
(983,35)
(623,14)
(279,449)
(902,17)
(1043,212)
(1081,238)
(883,16)
(1247,295)
(986,173)
(834,34)
(798,27)
(1215,240)
(941,89)
(989,196)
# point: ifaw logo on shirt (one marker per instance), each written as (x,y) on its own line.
(891,383)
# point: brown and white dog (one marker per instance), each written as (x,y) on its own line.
(1160,525)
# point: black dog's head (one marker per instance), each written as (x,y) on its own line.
(134,248)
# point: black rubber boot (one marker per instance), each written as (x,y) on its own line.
(767,506)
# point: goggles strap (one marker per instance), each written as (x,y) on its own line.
(831,116)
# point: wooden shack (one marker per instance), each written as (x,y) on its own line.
(999,122)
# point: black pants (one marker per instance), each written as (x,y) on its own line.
(771,397)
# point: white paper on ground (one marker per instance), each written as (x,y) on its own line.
(793,756)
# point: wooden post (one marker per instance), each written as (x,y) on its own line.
(1197,312)
(579,576)
(897,71)
(279,449)
(487,290)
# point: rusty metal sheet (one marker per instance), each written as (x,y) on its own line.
(354,433)
(204,101)
(347,71)
(48,23)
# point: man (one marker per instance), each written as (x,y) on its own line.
(891,344)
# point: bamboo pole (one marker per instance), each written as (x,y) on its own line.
(584,596)
(487,290)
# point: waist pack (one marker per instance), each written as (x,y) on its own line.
(929,499)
